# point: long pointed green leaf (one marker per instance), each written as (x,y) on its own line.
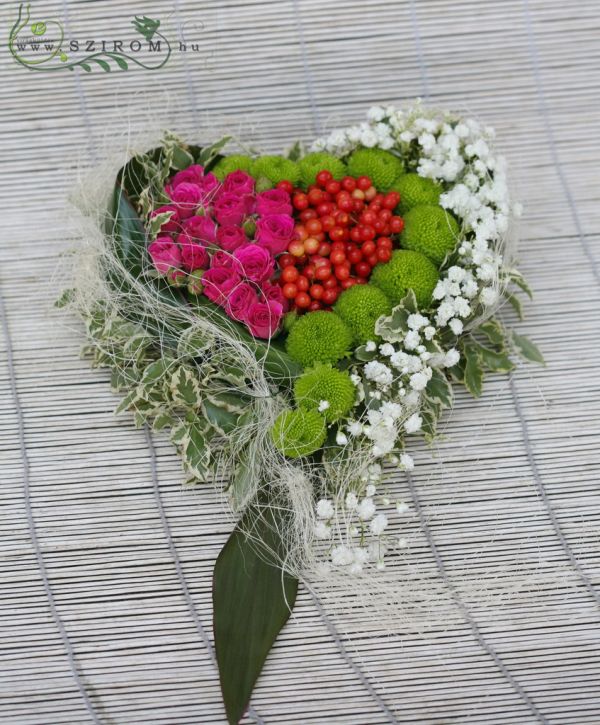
(252,600)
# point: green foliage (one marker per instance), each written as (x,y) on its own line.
(229,164)
(319,337)
(414,190)
(430,230)
(298,433)
(322,382)
(407,270)
(527,349)
(382,167)
(310,165)
(360,307)
(275,169)
(252,600)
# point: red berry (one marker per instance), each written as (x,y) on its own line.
(337,257)
(314,226)
(323,273)
(384,243)
(342,218)
(324,249)
(370,193)
(301,232)
(368,248)
(324,177)
(396,224)
(309,271)
(315,197)
(330,296)
(330,283)
(342,271)
(302,300)
(368,217)
(314,306)
(358,205)
(384,255)
(336,234)
(325,208)
(327,223)
(373,259)
(392,199)
(311,245)
(347,283)
(385,215)
(333,187)
(363,183)
(316,291)
(286,186)
(289,290)
(358,194)
(302,283)
(289,274)
(348,183)
(300,201)
(368,232)
(296,248)
(308,214)
(355,234)
(363,269)
(355,256)
(286,260)
(344,201)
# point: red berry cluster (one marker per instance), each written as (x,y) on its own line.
(343,230)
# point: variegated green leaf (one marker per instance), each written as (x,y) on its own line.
(361,353)
(196,451)
(497,362)
(208,154)
(527,349)
(494,332)
(229,401)
(185,387)
(194,342)
(163,420)
(439,389)
(156,224)
(156,370)
(515,303)
(516,277)
(128,401)
(473,371)
(222,420)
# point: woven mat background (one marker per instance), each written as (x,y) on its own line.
(106,562)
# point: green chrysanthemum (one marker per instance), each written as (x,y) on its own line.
(275,169)
(311,164)
(382,167)
(430,230)
(229,164)
(407,270)
(360,307)
(319,337)
(325,384)
(298,432)
(414,190)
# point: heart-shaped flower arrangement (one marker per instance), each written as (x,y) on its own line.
(291,320)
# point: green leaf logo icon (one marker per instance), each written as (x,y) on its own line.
(38,28)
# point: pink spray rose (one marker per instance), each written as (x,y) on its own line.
(218,283)
(193,255)
(275,232)
(165,254)
(226,260)
(187,197)
(273,201)
(273,293)
(201,228)
(263,318)
(230,210)
(209,186)
(240,300)
(239,182)
(173,224)
(230,238)
(193,174)
(257,263)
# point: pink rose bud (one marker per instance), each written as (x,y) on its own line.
(176,277)
(274,293)
(195,286)
(240,299)
(273,201)
(230,210)
(263,318)
(239,182)
(193,255)
(275,232)
(201,228)
(256,262)
(165,254)
(230,238)
(192,175)
(173,224)
(187,198)
(218,283)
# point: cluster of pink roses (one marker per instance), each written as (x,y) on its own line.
(226,236)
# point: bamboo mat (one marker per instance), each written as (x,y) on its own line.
(106,561)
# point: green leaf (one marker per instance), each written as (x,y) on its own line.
(232,402)
(123,378)
(515,303)
(207,154)
(128,401)
(527,349)
(295,151)
(222,420)
(156,224)
(163,420)
(497,362)
(65,299)
(193,342)
(361,353)
(195,450)
(493,330)
(516,277)
(85,67)
(156,370)
(473,371)
(241,485)
(181,158)
(128,232)
(439,389)
(120,61)
(252,600)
